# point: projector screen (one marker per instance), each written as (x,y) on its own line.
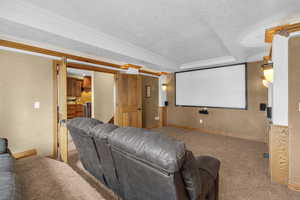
(218,87)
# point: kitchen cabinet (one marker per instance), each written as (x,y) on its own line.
(75,110)
(74,87)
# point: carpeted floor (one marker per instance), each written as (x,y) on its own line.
(243,175)
(47,179)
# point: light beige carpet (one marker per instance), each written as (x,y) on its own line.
(244,172)
(47,179)
(243,175)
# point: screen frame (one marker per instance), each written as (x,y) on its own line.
(207,68)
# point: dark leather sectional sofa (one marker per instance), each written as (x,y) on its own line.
(138,164)
(9,187)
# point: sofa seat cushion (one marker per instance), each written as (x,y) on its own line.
(82,123)
(9,188)
(102,131)
(155,149)
(6,163)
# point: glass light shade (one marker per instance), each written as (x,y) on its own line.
(265,83)
(268,74)
(164,87)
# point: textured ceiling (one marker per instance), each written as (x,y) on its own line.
(179,31)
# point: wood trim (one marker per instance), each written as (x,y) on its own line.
(285,29)
(164,73)
(149,72)
(62,112)
(25,154)
(279,153)
(90,68)
(162,116)
(126,66)
(26,47)
(269,33)
(54,111)
(35,49)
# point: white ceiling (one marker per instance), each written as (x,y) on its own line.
(162,35)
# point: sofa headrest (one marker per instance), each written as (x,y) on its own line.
(150,147)
(82,124)
(101,131)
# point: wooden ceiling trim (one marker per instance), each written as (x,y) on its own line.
(149,72)
(26,47)
(282,29)
(35,49)
(130,66)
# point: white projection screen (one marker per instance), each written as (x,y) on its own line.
(218,87)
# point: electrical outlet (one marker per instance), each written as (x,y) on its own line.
(201,121)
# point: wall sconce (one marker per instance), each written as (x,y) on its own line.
(265,83)
(268,72)
(164,86)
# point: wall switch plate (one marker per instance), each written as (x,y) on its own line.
(156,118)
(37,105)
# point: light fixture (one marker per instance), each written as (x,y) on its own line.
(265,83)
(268,72)
(164,86)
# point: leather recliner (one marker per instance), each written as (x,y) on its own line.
(140,164)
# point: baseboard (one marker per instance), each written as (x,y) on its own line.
(294,187)
(211,132)
(25,154)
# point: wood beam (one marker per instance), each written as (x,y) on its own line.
(283,29)
(269,33)
(149,72)
(35,49)
(26,47)
(130,66)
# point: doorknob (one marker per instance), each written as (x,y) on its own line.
(139,109)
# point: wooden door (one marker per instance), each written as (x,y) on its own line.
(61,67)
(128,100)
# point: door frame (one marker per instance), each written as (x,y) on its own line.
(55,152)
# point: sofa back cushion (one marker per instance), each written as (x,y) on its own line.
(147,164)
(153,148)
(80,130)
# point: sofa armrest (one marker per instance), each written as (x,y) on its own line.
(3,145)
(209,164)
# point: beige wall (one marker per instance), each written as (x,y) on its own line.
(103,96)
(150,104)
(25,79)
(294,114)
(248,124)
